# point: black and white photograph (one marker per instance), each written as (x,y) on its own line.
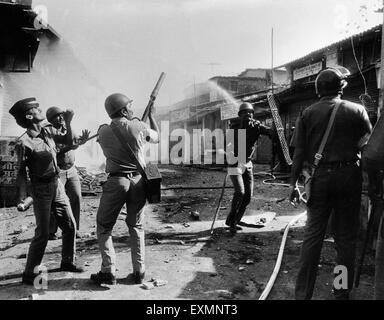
(191,155)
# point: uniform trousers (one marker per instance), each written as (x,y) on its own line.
(118,191)
(50,197)
(337,189)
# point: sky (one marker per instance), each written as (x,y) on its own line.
(126,44)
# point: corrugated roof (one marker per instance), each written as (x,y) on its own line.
(361,34)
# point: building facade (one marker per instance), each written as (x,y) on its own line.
(36,62)
(212,105)
(360,54)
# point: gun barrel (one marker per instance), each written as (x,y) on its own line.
(158,85)
(91,137)
(153,96)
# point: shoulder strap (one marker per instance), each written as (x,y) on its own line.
(319,154)
(128,148)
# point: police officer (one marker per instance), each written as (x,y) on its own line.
(66,162)
(337,181)
(241,173)
(37,152)
(124,185)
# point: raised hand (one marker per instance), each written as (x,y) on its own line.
(84,136)
(294,195)
(68,115)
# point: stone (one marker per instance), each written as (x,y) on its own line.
(160,283)
(195,215)
(148,285)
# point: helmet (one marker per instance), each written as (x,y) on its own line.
(53,112)
(331,80)
(116,102)
(246,106)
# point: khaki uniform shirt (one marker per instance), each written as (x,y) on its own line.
(136,133)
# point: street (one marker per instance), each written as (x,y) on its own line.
(181,254)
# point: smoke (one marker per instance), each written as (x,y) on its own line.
(63,81)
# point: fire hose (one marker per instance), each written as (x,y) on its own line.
(275,272)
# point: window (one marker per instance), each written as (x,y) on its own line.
(234,86)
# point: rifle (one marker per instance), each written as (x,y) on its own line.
(153,96)
(152,99)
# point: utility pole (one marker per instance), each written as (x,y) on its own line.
(272,61)
(379,259)
(381,95)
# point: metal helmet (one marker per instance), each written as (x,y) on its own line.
(331,80)
(246,106)
(115,102)
(53,112)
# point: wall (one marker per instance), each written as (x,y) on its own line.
(58,79)
(8,171)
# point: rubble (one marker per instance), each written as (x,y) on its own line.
(148,285)
(226,294)
(91,183)
(195,215)
(160,283)
(34,296)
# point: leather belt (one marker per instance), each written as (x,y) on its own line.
(336,164)
(66,167)
(124,174)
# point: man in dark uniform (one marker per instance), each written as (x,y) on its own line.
(241,173)
(337,181)
(124,185)
(66,162)
(37,153)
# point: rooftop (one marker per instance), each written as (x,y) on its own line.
(372,30)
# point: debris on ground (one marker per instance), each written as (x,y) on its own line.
(157,241)
(226,294)
(240,264)
(148,285)
(160,283)
(195,215)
